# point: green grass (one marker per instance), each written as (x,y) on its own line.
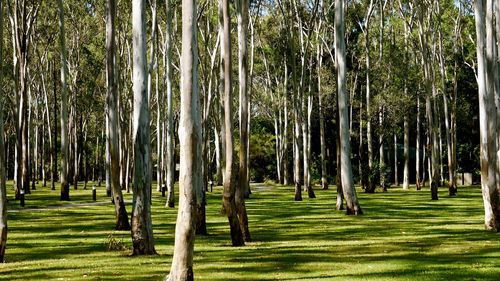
(402,236)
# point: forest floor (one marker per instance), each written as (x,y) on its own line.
(401,236)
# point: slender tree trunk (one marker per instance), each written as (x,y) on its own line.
(369,139)
(324,172)
(242,8)
(340,193)
(396,177)
(190,179)
(64,110)
(170,180)
(406,154)
(222,84)
(122,222)
(286,171)
(349,191)
(54,147)
(3,189)
(418,180)
(306,126)
(142,228)
(229,203)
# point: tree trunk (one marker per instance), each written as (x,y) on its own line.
(340,193)
(190,178)
(369,139)
(242,8)
(396,177)
(54,147)
(229,203)
(306,132)
(122,222)
(222,84)
(170,160)
(418,180)
(349,191)
(142,229)
(324,172)
(64,110)
(285,163)
(487,113)
(406,154)
(3,190)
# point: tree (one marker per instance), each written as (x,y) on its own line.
(229,204)
(487,112)
(352,204)
(64,107)
(112,117)
(242,189)
(142,229)
(3,190)
(365,27)
(190,177)
(170,166)
(22,17)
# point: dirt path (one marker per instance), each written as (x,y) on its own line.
(260,187)
(66,206)
(255,187)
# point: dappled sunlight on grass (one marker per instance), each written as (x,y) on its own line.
(402,236)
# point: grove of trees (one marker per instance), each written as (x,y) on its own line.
(330,93)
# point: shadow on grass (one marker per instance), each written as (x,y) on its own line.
(402,236)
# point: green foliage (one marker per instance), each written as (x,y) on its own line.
(379,172)
(262,157)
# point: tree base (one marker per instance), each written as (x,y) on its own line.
(310,193)
(434,192)
(298,192)
(452,191)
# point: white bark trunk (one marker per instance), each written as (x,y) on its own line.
(487,118)
(64,105)
(190,178)
(3,190)
(142,230)
(350,196)
(170,160)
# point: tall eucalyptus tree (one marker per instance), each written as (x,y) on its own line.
(142,228)
(122,222)
(229,204)
(352,204)
(190,178)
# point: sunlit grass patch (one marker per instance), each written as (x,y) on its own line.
(402,236)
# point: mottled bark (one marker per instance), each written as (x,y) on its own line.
(142,229)
(3,190)
(64,105)
(487,112)
(122,222)
(229,203)
(190,178)
(242,14)
(352,204)
(170,160)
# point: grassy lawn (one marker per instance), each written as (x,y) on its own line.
(402,236)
